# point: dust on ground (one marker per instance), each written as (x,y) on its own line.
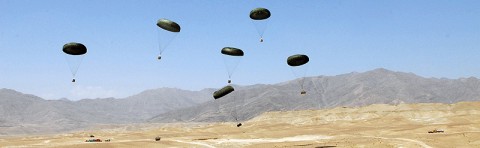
(404,125)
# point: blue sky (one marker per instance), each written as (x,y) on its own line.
(432,38)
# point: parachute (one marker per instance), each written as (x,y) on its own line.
(259,14)
(232,51)
(74,48)
(168,25)
(223,92)
(259,18)
(231,58)
(296,63)
(74,55)
(297,60)
(165,36)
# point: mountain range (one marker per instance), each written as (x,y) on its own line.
(379,86)
(28,114)
(23,113)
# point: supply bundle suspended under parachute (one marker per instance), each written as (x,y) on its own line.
(259,18)
(169,30)
(231,58)
(74,55)
(297,62)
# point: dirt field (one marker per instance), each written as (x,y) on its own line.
(404,125)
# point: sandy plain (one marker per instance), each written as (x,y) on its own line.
(379,125)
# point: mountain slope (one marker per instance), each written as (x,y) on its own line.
(379,86)
(23,113)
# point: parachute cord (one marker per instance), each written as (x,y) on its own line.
(240,105)
(322,103)
(163,44)
(302,83)
(260,27)
(234,113)
(230,72)
(303,78)
(233,68)
(74,63)
(160,51)
(235,108)
(215,102)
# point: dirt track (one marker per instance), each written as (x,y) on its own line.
(372,126)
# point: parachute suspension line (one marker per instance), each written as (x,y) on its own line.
(229,78)
(303,92)
(263,28)
(217,105)
(236,107)
(164,40)
(73,77)
(321,95)
(230,68)
(159,57)
(235,113)
(74,63)
(232,111)
(260,26)
(239,104)
(300,82)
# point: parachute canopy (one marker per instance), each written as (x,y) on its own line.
(168,25)
(232,51)
(259,14)
(222,92)
(297,60)
(74,48)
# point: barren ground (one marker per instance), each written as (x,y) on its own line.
(404,125)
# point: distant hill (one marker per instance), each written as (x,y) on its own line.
(379,86)
(28,114)
(23,113)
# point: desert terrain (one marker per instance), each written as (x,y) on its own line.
(379,125)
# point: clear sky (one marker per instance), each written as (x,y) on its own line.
(432,38)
